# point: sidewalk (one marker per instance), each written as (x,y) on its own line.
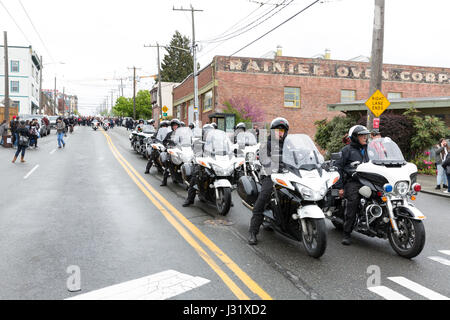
(428,184)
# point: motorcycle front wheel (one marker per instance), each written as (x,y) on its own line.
(315,242)
(411,240)
(223,203)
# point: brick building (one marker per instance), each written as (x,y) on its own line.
(300,89)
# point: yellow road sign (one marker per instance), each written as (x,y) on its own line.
(377,103)
(165,109)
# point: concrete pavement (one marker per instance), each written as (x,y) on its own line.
(428,184)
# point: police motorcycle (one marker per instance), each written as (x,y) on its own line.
(385,210)
(143,139)
(134,136)
(157,148)
(181,155)
(217,164)
(247,147)
(300,184)
(105,125)
(95,125)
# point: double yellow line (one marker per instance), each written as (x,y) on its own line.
(181,224)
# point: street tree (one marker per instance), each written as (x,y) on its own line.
(177,64)
(124,106)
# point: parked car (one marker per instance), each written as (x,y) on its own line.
(52,120)
(45,129)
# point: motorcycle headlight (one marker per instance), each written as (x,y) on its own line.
(401,188)
(310,194)
(223,172)
(251,156)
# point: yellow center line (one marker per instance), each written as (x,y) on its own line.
(244,277)
(183,232)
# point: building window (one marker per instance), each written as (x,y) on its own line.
(179,112)
(14,86)
(292,97)
(15,104)
(15,66)
(348,95)
(207,101)
(394,95)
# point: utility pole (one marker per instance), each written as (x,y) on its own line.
(134,91)
(160,104)
(376,60)
(40,88)
(54,97)
(194,54)
(64,100)
(121,86)
(5,35)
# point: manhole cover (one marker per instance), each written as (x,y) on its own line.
(218,222)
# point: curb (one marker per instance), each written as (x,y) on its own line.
(435,194)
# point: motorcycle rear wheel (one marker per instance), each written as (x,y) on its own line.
(412,239)
(315,242)
(223,203)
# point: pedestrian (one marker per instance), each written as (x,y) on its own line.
(446,167)
(3,131)
(441,151)
(23,141)
(14,126)
(34,133)
(60,130)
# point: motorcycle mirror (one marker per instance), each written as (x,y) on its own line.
(355,164)
(336,156)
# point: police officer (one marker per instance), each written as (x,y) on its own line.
(191,126)
(240,127)
(163,124)
(167,142)
(270,156)
(347,185)
(193,180)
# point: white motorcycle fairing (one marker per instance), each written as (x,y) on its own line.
(310,211)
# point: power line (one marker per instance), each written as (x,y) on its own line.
(249,26)
(237,23)
(221,42)
(14,20)
(40,38)
(307,7)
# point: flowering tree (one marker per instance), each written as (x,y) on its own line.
(244,109)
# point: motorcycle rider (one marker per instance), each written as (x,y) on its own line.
(193,180)
(163,124)
(270,156)
(240,127)
(349,187)
(191,126)
(167,142)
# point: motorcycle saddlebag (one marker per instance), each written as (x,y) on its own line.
(186,171)
(248,189)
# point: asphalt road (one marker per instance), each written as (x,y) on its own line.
(91,206)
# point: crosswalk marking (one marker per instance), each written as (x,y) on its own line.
(441,260)
(447,252)
(159,286)
(387,293)
(411,285)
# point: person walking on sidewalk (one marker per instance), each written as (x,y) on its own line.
(441,151)
(60,131)
(23,141)
(446,167)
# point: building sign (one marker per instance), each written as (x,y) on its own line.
(334,69)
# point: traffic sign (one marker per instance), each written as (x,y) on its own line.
(164,114)
(377,103)
(165,109)
(376,123)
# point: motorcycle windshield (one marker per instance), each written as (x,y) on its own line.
(244,139)
(217,144)
(384,149)
(183,137)
(300,152)
(162,133)
(148,129)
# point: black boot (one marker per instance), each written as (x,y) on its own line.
(188,202)
(438,187)
(444,186)
(252,239)
(347,239)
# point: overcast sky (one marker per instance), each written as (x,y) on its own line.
(101,39)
